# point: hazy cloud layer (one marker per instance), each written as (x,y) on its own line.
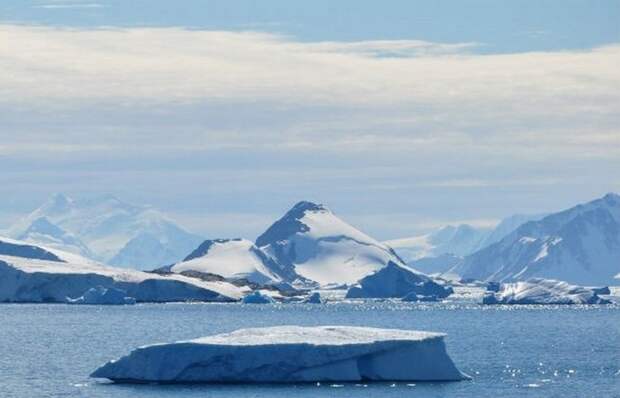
(246,123)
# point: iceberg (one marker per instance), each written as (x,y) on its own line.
(287,354)
(103,296)
(257,298)
(395,281)
(542,291)
(314,298)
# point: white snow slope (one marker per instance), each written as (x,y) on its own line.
(311,242)
(285,354)
(580,245)
(38,274)
(231,258)
(542,291)
(460,240)
(108,230)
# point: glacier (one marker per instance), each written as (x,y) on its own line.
(396,281)
(100,295)
(542,291)
(456,240)
(38,274)
(288,354)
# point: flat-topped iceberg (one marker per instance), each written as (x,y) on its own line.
(542,291)
(284,354)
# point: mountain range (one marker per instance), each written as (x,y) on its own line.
(108,230)
(310,245)
(579,245)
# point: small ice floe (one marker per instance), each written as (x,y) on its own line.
(314,298)
(257,297)
(291,354)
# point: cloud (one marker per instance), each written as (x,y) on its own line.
(175,65)
(249,123)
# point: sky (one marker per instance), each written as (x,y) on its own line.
(401,116)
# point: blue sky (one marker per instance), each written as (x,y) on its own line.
(400,115)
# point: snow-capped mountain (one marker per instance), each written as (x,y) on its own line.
(312,243)
(444,248)
(108,230)
(231,258)
(505,227)
(42,231)
(460,241)
(580,245)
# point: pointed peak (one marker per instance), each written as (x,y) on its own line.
(58,203)
(308,206)
(60,198)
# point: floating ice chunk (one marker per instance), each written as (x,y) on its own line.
(290,354)
(542,291)
(102,295)
(412,297)
(314,298)
(257,298)
(395,281)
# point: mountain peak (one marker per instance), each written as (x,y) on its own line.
(205,246)
(59,202)
(304,206)
(289,224)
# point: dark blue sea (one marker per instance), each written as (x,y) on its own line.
(518,351)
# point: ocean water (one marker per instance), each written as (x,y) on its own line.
(518,351)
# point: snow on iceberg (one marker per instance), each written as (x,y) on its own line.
(285,354)
(257,297)
(542,291)
(102,295)
(395,281)
(39,274)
